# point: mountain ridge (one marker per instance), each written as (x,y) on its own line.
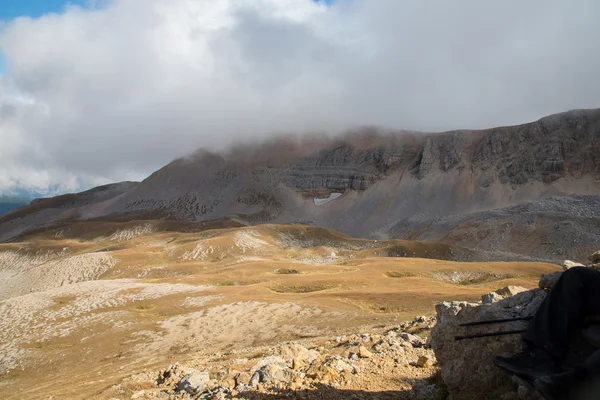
(383,178)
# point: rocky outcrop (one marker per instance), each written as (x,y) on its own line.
(466,365)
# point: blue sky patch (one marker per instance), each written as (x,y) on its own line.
(10,9)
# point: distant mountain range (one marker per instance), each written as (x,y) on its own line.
(531,189)
(9,203)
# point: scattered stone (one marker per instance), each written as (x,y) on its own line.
(298,364)
(364,353)
(255,380)
(242,378)
(414,340)
(343,362)
(297,351)
(567,264)
(138,395)
(275,373)
(341,367)
(424,361)
(391,334)
(322,373)
(595,257)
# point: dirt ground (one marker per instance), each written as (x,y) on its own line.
(85,306)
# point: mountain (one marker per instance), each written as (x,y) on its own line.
(531,189)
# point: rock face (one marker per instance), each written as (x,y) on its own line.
(466,365)
(491,187)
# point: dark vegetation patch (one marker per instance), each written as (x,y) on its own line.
(400,274)
(286,271)
(308,288)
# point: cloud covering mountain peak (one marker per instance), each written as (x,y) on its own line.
(115,90)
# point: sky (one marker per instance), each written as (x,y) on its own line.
(33,8)
(111,90)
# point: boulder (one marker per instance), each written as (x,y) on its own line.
(414,340)
(491,297)
(458,360)
(295,351)
(548,280)
(272,369)
(595,257)
(510,290)
(501,294)
(192,383)
(275,373)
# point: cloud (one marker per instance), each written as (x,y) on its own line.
(116,90)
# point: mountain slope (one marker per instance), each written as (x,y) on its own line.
(385,181)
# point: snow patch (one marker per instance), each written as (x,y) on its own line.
(332,196)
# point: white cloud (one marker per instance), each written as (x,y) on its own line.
(114,92)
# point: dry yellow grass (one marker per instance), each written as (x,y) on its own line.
(179,290)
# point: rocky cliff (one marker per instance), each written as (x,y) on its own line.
(392,184)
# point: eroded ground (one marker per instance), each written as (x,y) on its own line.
(87,305)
